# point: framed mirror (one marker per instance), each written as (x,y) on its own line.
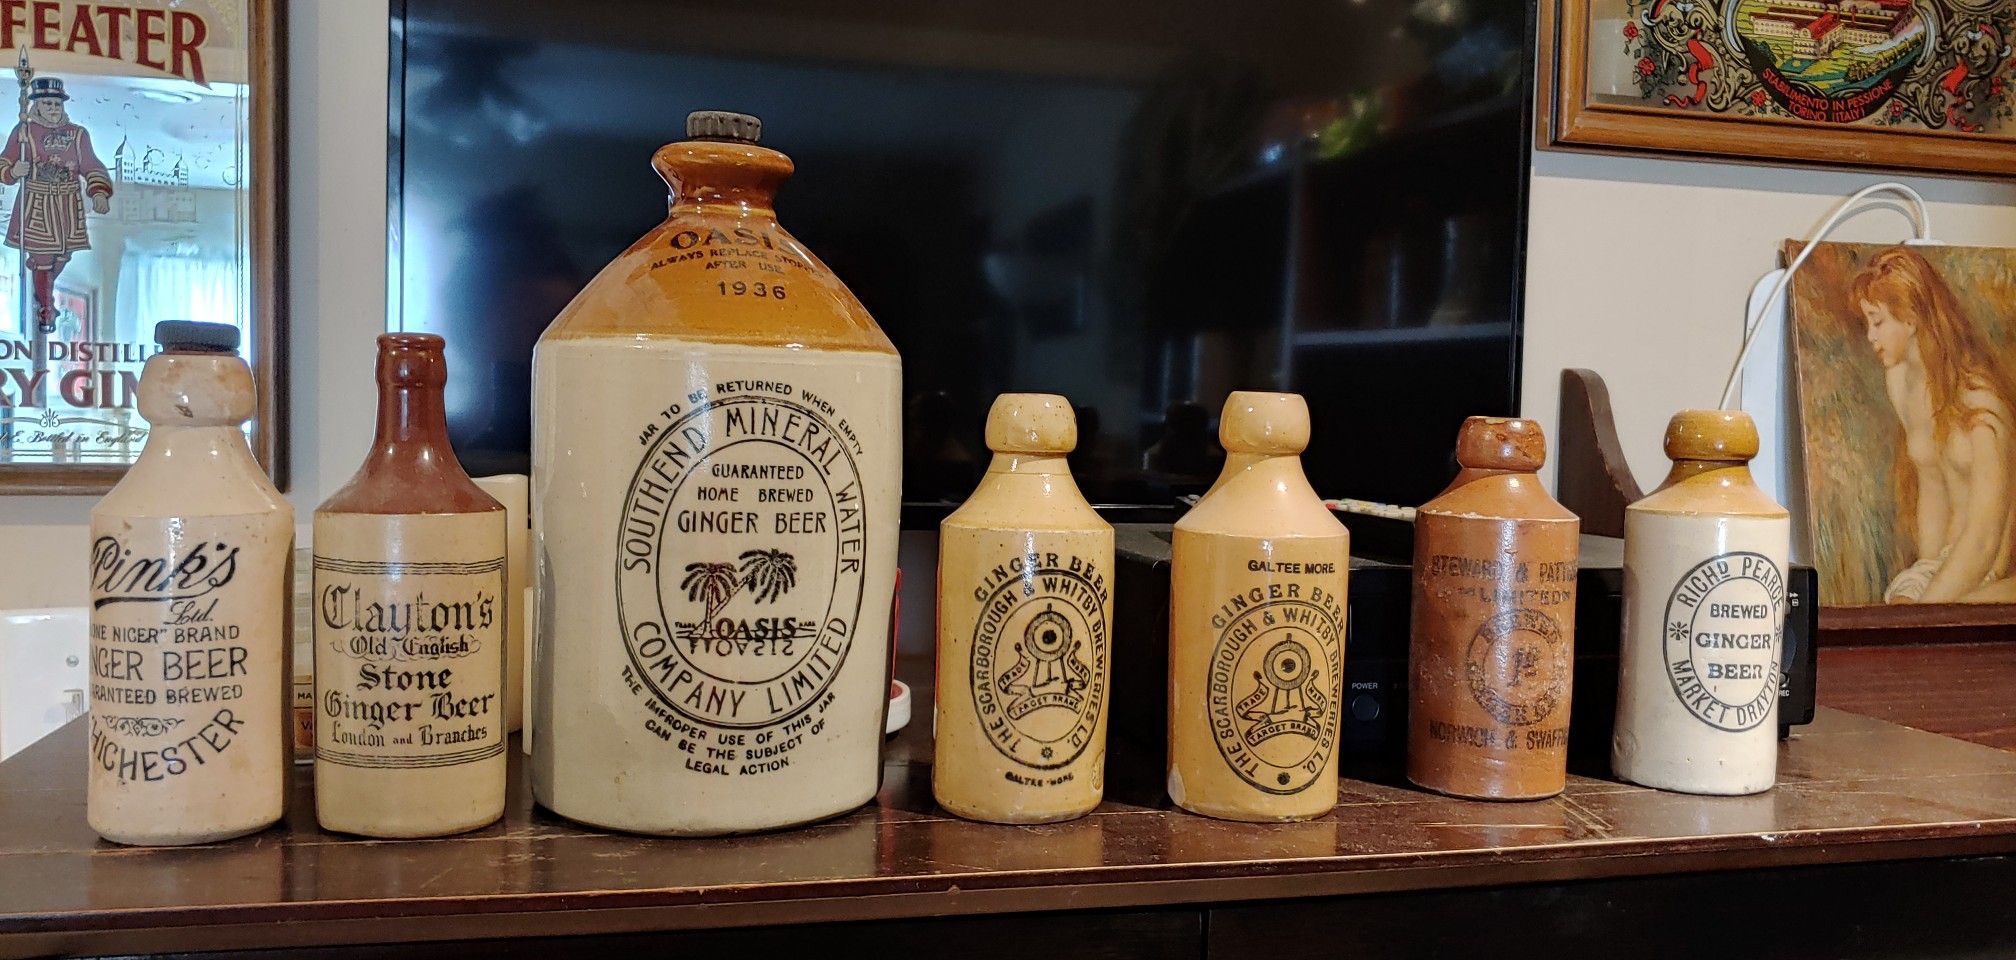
(140,182)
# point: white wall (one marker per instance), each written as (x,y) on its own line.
(1637,268)
(336,300)
(1640,268)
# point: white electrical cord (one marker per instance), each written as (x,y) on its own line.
(1923,223)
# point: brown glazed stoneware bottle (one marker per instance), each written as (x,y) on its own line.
(410,619)
(191,581)
(716,450)
(1704,617)
(1493,636)
(1256,627)
(1024,602)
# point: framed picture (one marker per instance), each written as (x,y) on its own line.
(139,182)
(1923,85)
(1908,413)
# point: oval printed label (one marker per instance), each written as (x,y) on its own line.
(1276,678)
(741,562)
(1039,662)
(1518,667)
(1724,621)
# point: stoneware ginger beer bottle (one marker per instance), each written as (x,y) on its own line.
(1704,617)
(191,567)
(1256,627)
(1493,633)
(716,449)
(1025,598)
(410,619)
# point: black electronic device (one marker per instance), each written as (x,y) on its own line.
(1375,653)
(1138,204)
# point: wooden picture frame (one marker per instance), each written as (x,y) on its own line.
(260,212)
(1749,115)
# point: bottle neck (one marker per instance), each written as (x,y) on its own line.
(412,425)
(1278,472)
(748,201)
(1050,464)
(1716,471)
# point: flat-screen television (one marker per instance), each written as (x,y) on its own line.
(1139,205)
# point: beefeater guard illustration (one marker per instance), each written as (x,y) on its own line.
(52,161)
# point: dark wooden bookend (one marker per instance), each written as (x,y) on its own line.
(1592,478)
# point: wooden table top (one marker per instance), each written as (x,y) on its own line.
(1851,788)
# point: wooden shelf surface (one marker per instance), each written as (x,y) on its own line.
(1851,788)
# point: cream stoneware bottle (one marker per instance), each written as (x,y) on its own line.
(1025,601)
(1256,627)
(411,614)
(1492,658)
(716,451)
(1704,617)
(191,573)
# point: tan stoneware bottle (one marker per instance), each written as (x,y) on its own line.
(716,450)
(191,573)
(1704,617)
(410,616)
(1256,627)
(1025,599)
(1493,635)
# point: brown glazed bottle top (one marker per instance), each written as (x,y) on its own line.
(1711,452)
(1031,423)
(1499,457)
(1500,443)
(1262,491)
(1270,424)
(1718,435)
(722,186)
(411,467)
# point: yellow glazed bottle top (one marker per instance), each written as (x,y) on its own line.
(1031,423)
(1500,443)
(1264,423)
(1714,435)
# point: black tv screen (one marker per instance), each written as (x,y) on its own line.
(1140,206)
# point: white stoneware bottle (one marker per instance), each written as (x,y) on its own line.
(716,449)
(1704,618)
(191,578)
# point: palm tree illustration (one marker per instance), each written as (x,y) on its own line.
(710,584)
(766,574)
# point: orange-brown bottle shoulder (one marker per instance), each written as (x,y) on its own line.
(1716,490)
(724,278)
(1487,494)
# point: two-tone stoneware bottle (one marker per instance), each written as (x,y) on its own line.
(410,619)
(1492,652)
(191,565)
(716,450)
(1704,617)
(1025,600)
(1256,627)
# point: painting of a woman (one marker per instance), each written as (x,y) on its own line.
(1955,410)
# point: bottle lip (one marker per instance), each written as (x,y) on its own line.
(412,359)
(1262,422)
(1501,443)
